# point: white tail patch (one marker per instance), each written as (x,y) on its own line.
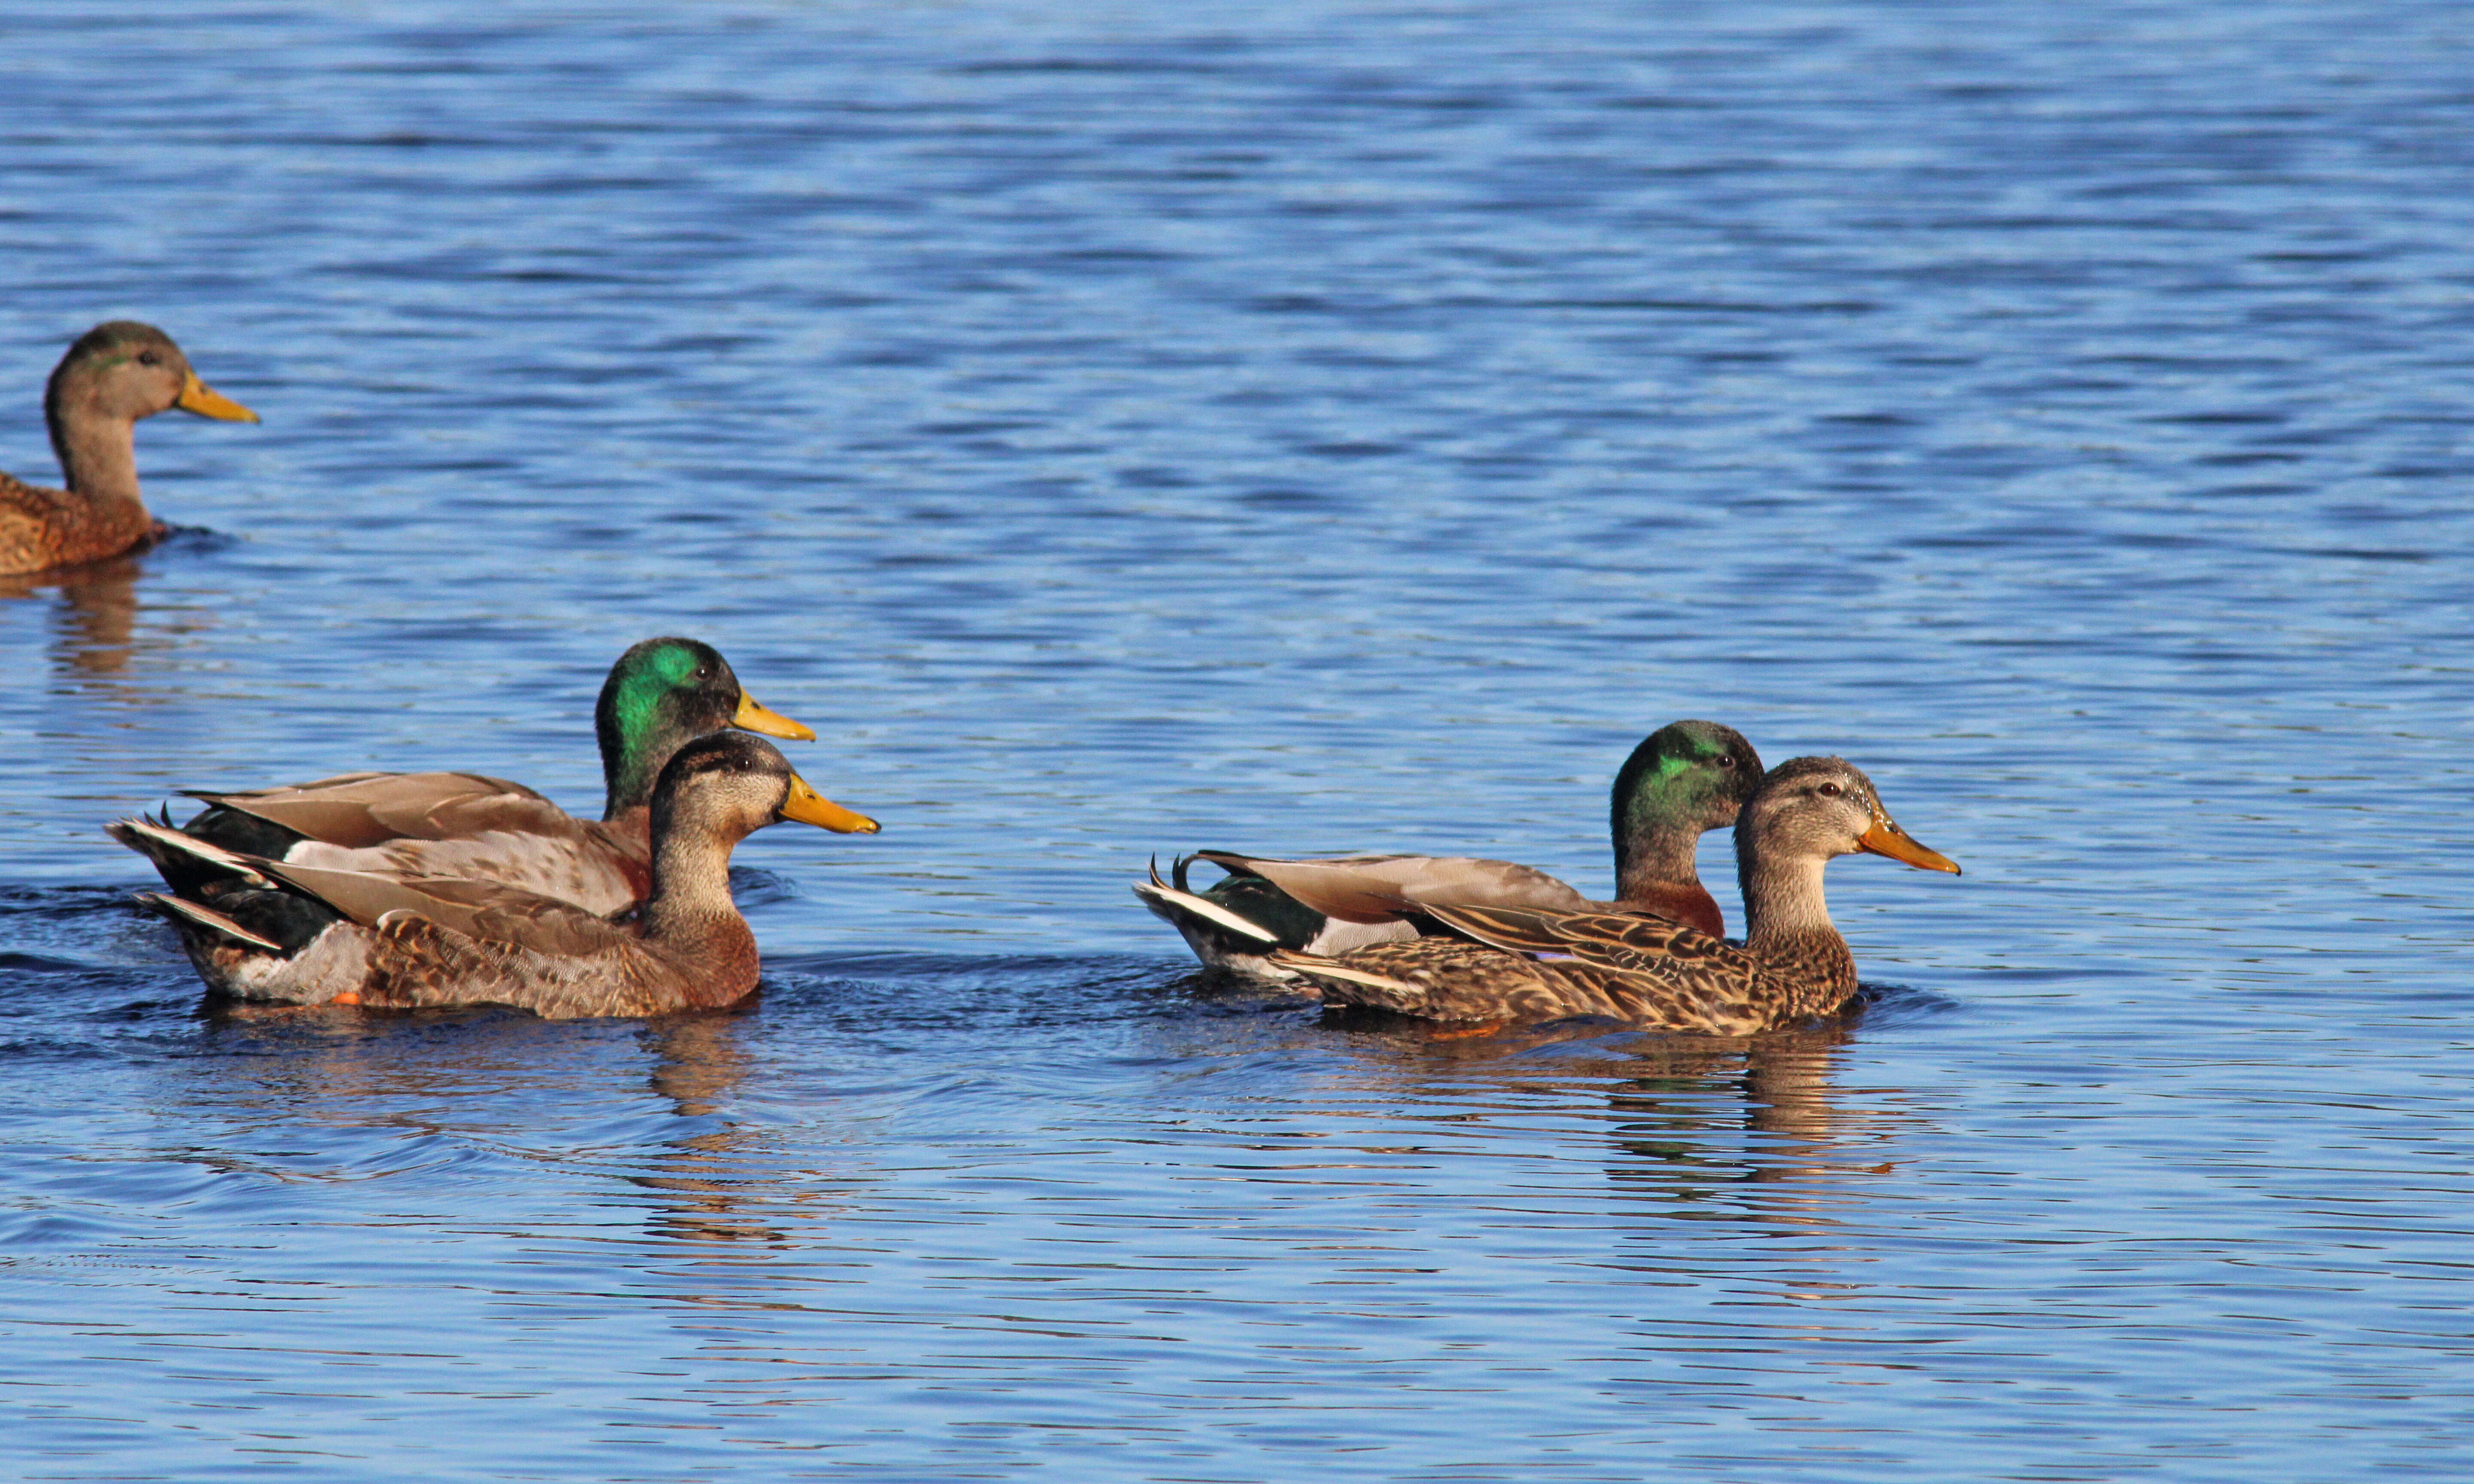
(209,919)
(190,845)
(1157,896)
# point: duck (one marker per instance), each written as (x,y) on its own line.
(262,929)
(660,695)
(1516,964)
(113,375)
(1682,779)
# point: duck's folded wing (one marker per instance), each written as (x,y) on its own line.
(483,911)
(1385,888)
(358,810)
(1608,940)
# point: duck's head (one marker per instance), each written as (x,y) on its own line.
(661,694)
(727,786)
(1697,773)
(1816,808)
(123,371)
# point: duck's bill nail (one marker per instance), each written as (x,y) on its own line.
(206,403)
(751,717)
(810,807)
(1884,838)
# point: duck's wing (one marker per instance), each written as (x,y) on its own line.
(359,810)
(1387,887)
(1514,965)
(1618,940)
(485,912)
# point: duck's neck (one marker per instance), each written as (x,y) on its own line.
(690,886)
(690,917)
(98,452)
(1787,929)
(626,784)
(1654,853)
(632,826)
(1782,900)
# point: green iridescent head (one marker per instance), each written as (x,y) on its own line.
(661,695)
(1684,777)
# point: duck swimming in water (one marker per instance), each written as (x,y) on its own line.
(660,695)
(262,929)
(115,374)
(1684,778)
(1511,964)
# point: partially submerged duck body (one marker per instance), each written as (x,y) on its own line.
(268,930)
(660,695)
(113,375)
(1684,778)
(1510,964)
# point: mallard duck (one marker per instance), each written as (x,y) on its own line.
(258,928)
(115,374)
(1513,964)
(660,695)
(1683,779)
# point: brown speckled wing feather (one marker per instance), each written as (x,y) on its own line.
(28,514)
(1528,965)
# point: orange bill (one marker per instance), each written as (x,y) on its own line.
(752,717)
(1886,838)
(810,807)
(206,403)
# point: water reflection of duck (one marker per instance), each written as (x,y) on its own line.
(95,624)
(708,1195)
(660,695)
(258,928)
(1681,1103)
(115,374)
(1684,778)
(1528,965)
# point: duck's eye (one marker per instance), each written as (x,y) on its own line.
(1725,759)
(149,358)
(1830,790)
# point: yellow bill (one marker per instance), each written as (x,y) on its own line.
(810,807)
(752,717)
(206,403)
(1886,838)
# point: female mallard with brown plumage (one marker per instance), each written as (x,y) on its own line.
(1684,778)
(115,374)
(660,695)
(1515,964)
(264,930)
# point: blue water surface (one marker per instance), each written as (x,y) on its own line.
(1123,428)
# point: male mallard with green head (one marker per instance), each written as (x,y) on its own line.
(1684,778)
(115,374)
(660,695)
(264,930)
(1517,964)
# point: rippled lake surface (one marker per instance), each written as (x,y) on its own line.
(1127,428)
